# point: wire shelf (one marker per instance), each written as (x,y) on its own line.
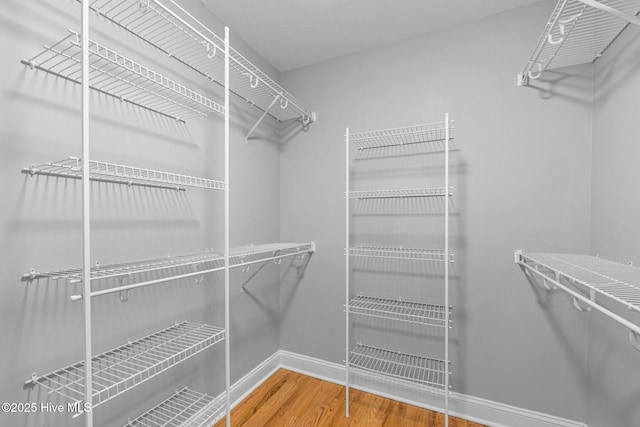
(405,311)
(578,33)
(411,254)
(401,193)
(615,281)
(171,29)
(123,368)
(120,174)
(130,275)
(186,408)
(419,134)
(122,78)
(399,367)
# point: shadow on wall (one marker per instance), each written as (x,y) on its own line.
(619,69)
(563,84)
(291,277)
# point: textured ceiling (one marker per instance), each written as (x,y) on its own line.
(295,33)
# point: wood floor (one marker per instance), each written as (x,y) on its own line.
(289,399)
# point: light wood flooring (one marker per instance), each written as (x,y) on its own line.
(289,399)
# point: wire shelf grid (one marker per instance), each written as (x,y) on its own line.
(401,193)
(174,31)
(577,33)
(618,282)
(399,367)
(122,78)
(120,174)
(419,134)
(120,369)
(405,311)
(186,408)
(411,254)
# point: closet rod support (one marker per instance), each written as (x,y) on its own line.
(275,99)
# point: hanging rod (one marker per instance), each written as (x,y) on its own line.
(579,32)
(174,266)
(596,276)
(174,31)
(120,174)
(122,78)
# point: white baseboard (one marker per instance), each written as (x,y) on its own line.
(472,408)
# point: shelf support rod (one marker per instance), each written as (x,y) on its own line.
(633,328)
(227,275)
(275,99)
(446,271)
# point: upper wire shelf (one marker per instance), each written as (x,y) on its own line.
(419,134)
(172,30)
(401,193)
(185,408)
(135,274)
(590,280)
(120,369)
(405,311)
(411,254)
(578,32)
(398,367)
(120,77)
(120,174)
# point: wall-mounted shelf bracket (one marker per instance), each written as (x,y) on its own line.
(264,114)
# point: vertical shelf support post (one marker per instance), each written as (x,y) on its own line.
(346,248)
(446,271)
(227,323)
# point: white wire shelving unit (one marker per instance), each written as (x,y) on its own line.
(71,167)
(185,408)
(386,365)
(398,309)
(170,28)
(578,32)
(122,78)
(120,369)
(133,275)
(594,283)
(393,366)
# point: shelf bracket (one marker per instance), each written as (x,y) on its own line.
(634,340)
(275,99)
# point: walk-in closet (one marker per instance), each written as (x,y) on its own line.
(319,213)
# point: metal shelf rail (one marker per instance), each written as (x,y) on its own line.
(383,364)
(175,32)
(186,408)
(578,32)
(393,366)
(397,309)
(401,193)
(410,254)
(120,174)
(174,267)
(122,78)
(120,369)
(590,281)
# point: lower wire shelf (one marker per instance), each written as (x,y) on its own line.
(118,370)
(405,311)
(186,408)
(410,254)
(399,368)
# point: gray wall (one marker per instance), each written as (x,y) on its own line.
(614,387)
(40,219)
(522,181)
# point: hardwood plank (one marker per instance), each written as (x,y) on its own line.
(289,399)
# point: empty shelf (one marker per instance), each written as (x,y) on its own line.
(399,367)
(172,30)
(175,267)
(420,134)
(578,32)
(401,193)
(186,408)
(413,254)
(120,174)
(123,368)
(618,282)
(406,311)
(122,78)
